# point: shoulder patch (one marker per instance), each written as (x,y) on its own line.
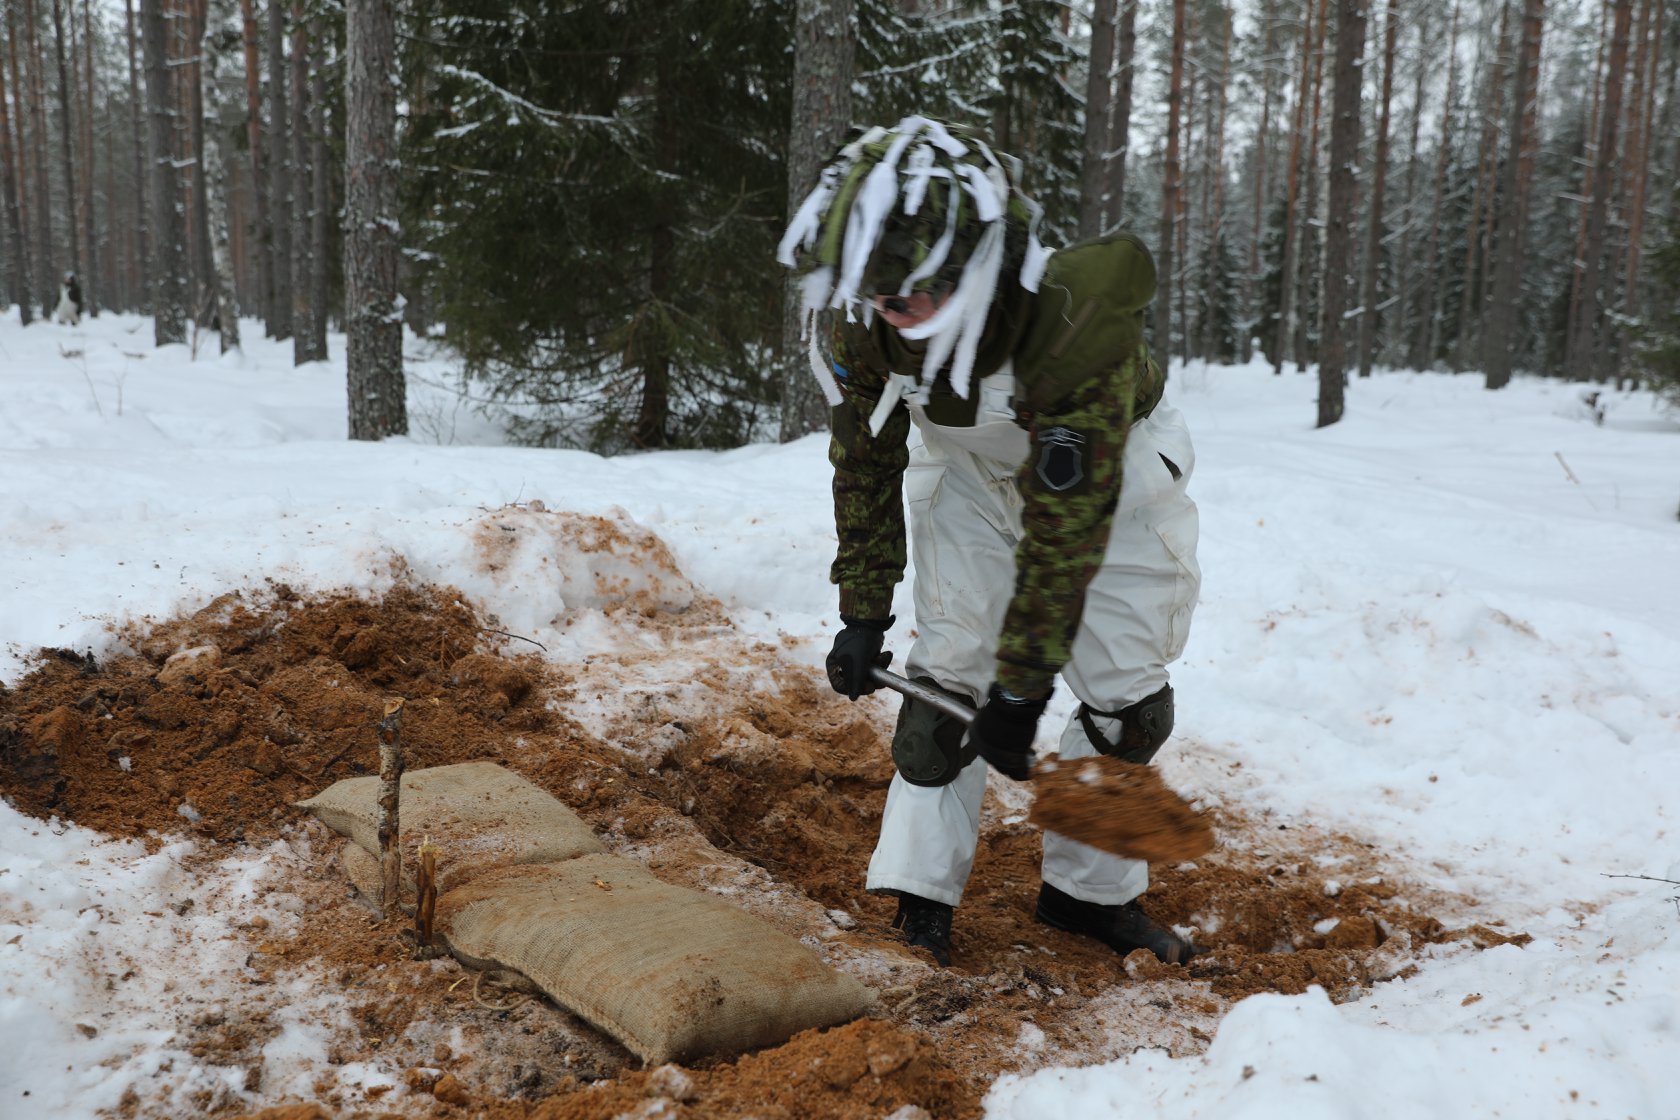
(1061,458)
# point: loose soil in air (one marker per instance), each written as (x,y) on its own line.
(1120,807)
(716,761)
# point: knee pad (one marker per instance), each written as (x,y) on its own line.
(928,747)
(1144,726)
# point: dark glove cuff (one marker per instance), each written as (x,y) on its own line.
(879,625)
(1019,707)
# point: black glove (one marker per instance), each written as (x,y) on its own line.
(1002,732)
(857,649)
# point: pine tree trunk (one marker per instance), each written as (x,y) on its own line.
(1120,145)
(198,214)
(94,276)
(115,241)
(1584,346)
(280,177)
(140,276)
(1641,108)
(13,244)
(1433,297)
(1291,246)
(1499,329)
(1308,280)
(1477,239)
(1170,187)
(49,271)
(1261,171)
(215,204)
(1589,165)
(1215,163)
(1406,326)
(319,208)
(32,267)
(1099,86)
(254,142)
(1187,176)
(169,316)
(824,49)
(373,324)
(1369,295)
(303,311)
(68,141)
(1345,125)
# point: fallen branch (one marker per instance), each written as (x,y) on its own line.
(390,797)
(1569,474)
(1647,878)
(1675,898)
(520,637)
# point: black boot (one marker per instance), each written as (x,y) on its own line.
(1122,928)
(926,925)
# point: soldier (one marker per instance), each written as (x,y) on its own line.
(1008,394)
(69,310)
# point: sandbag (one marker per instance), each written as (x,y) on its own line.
(671,973)
(479,814)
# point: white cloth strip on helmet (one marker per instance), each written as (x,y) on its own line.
(988,188)
(935,260)
(917,169)
(807,222)
(875,199)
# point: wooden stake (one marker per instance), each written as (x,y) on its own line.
(390,795)
(425,896)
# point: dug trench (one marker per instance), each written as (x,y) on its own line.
(720,762)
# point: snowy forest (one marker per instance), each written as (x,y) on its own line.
(580,202)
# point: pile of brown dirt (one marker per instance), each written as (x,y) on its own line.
(721,765)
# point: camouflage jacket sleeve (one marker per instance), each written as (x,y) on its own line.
(868,486)
(1070,487)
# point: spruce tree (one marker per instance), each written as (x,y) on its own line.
(603,194)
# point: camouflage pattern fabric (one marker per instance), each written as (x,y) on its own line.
(1069,482)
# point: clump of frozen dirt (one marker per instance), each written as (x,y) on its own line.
(1120,807)
(719,762)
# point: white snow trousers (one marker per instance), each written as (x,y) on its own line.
(965,516)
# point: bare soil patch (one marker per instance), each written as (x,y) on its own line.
(721,765)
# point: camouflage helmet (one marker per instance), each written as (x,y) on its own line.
(903,209)
(920,206)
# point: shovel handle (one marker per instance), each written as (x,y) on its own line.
(932,697)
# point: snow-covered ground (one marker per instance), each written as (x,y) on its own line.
(1448,625)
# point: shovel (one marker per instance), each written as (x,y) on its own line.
(1119,807)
